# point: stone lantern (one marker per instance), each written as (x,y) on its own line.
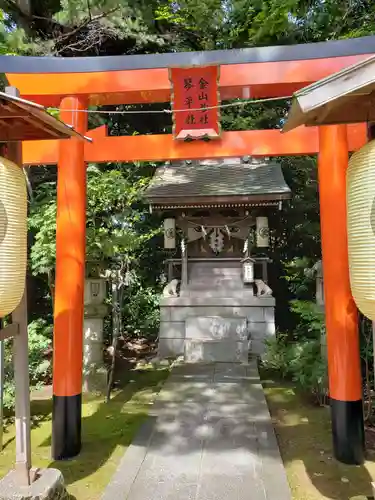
(94,372)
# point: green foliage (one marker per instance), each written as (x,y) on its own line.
(40,345)
(308,368)
(40,367)
(105,27)
(119,229)
(113,218)
(42,223)
(300,284)
(277,355)
(300,361)
(300,354)
(295,239)
(311,319)
(141,310)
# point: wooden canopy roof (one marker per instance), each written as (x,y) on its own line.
(22,120)
(211,183)
(347,96)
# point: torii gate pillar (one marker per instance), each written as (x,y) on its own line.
(344,370)
(69,289)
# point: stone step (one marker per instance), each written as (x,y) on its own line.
(210,284)
(209,280)
(215,269)
(228,293)
(198,268)
(215,272)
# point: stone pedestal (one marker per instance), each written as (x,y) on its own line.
(216,339)
(217,317)
(216,326)
(49,485)
(94,372)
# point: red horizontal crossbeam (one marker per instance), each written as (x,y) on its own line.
(266,79)
(301,141)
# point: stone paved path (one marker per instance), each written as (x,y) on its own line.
(209,437)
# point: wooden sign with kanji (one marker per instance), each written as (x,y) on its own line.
(195,100)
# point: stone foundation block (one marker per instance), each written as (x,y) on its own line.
(170,347)
(172,329)
(261,330)
(49,485)
(257,347)
(198,351)
(216,328)
(95,379)
(269,314)
(181,313)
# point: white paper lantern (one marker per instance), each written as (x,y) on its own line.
(361,228)
(13,235)
(262,232)
(169,233)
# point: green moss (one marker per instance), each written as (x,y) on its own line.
(107,429)
(304,435)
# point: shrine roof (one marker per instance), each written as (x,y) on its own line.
(25,120)
(202,182)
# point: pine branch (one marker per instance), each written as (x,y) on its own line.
(25,17)
(76,30)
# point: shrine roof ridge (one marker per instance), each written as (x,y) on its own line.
(201,180)
(318,50)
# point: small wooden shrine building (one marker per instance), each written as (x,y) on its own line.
(217,304)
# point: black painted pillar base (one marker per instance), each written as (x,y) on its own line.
(66,426)
(348,431)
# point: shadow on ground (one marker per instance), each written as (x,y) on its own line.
(304,435)
(107,429)
(303,432)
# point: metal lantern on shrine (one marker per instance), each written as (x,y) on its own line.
(361,228)
(248,270)
(13,235)
(262,232)
(169,233)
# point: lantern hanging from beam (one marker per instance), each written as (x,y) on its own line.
(361,228)
(169,233)
(13,235)
(262,232)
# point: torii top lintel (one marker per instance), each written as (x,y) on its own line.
(265,72)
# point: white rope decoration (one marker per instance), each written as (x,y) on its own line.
(224,226)
(172,111)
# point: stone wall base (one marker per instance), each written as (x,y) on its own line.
(215,329)
(95,379)
(49,485)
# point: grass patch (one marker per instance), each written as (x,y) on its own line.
(304,436)
(107,429)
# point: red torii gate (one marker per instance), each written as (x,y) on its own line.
(74,84)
